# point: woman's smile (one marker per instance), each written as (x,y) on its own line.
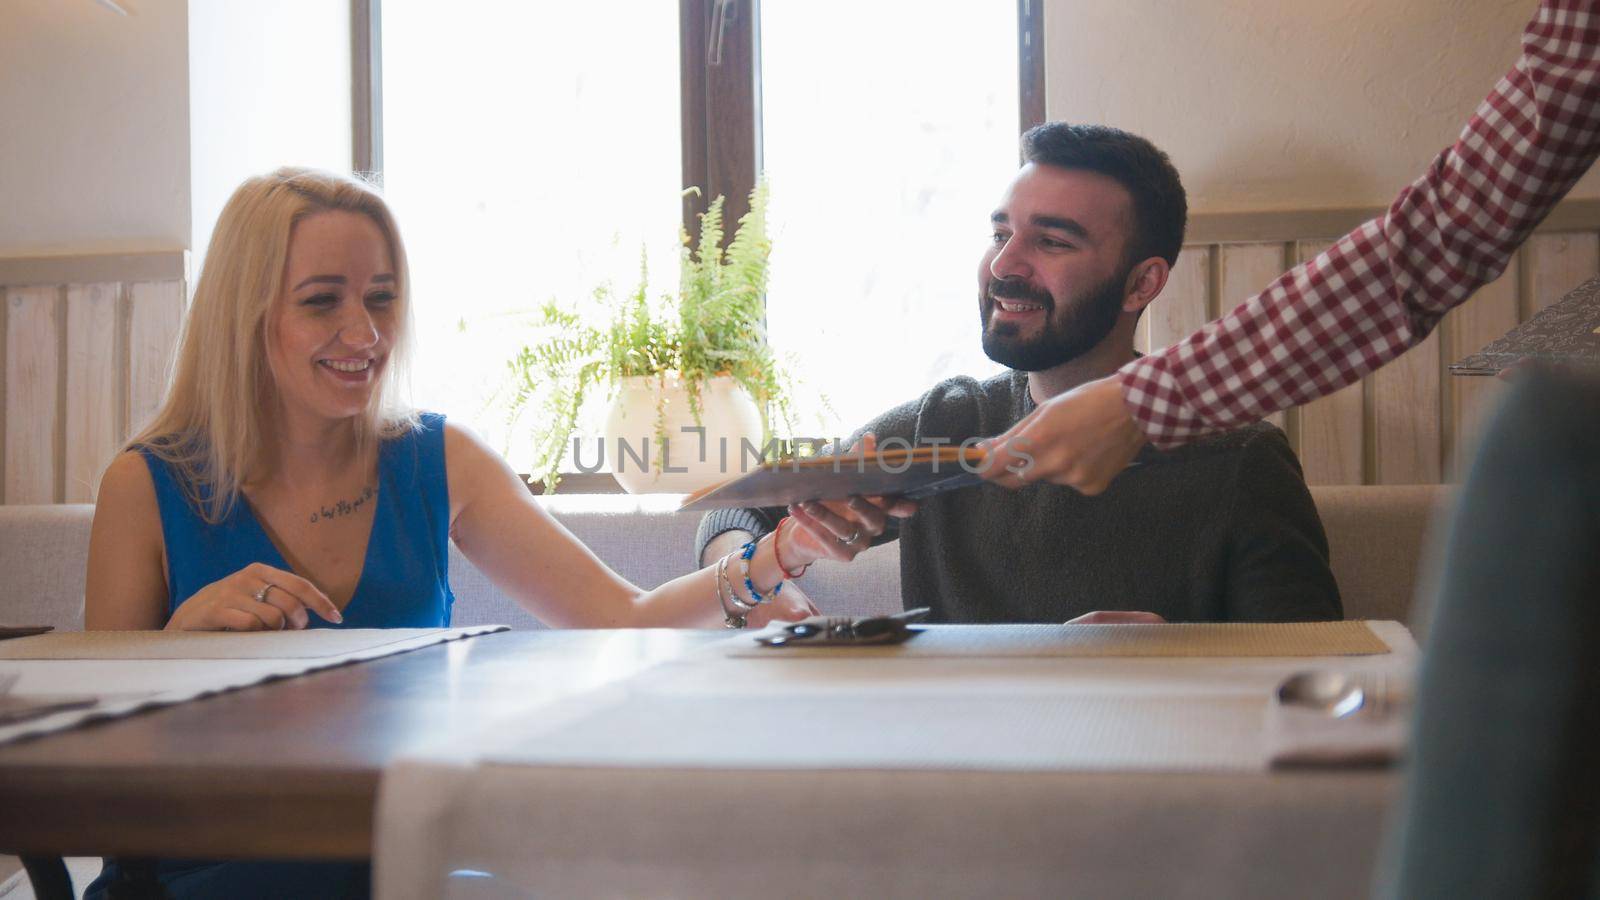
(350,371)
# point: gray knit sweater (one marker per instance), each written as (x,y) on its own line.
(1222,529)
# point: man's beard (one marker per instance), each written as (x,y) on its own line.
(1068,332)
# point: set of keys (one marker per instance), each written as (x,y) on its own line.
(842,631)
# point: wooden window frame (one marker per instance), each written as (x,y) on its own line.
(366,87)
(720,79)
(1030,63)
(720,76)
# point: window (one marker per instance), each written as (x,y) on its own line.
(531,150)
(888,135)
(524,162)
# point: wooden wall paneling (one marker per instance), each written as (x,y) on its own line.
(1555,264)
(155,314)
(1490,313)
(93,410)
(1571,214)
(33,383)
(1406,417)
(1332,429)
(1184,304)
(1245,269)
(154,265)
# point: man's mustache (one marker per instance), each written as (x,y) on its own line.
(1017,289)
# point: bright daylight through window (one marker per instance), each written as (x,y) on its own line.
(531,150)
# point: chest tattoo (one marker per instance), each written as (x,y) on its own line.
(341,508)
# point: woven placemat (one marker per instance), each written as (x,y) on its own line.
(132,670)
(1209,639)
(312,643)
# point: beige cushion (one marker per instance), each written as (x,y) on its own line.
(43,553)
(641,537)
(1376,537)
(1377,542)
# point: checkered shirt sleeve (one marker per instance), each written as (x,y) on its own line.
(1382,288)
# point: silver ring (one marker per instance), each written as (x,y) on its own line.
(261,595)
(851,539)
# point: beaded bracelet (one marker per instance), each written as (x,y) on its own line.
(733,596)
(749,585)
(730,619)
(777,537)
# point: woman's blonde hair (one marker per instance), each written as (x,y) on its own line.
(212,425)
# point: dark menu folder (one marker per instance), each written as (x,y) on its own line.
(1567,333)
(914,473)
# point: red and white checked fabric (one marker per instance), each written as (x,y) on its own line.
(1382,288)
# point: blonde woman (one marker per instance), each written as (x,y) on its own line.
(283,484)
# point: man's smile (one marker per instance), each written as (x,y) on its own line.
(1016,306)
(1016,302)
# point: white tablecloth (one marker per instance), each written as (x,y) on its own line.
(720,776)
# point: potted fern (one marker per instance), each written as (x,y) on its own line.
(695,360)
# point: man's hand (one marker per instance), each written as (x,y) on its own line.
(1081,439)
(834,529)
(840,529)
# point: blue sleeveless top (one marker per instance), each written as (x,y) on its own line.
(404,580)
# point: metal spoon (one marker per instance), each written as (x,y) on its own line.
(1334,693)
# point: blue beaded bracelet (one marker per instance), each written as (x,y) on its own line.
(744,569)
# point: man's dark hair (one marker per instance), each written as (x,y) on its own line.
(1159,205)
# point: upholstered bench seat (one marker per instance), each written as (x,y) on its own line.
(1375,534)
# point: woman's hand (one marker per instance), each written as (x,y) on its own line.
(789,606)
(258,597)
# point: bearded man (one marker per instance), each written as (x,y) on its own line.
(1219,530)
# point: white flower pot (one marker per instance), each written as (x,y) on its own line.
(731,420)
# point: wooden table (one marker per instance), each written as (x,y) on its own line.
(291,769)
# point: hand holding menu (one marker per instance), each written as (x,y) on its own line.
(912,473)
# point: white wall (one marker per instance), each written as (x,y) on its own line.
(94,127)
(1264,104)
(127,133)
(269,86)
